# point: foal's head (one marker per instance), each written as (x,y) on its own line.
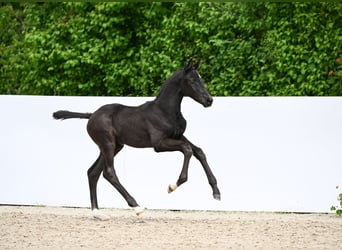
(192,85)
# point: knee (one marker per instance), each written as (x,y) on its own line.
(187,151)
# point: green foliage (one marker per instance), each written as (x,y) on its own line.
(85,52)
(130,48)
(305,48)
(11,35)
(338,208)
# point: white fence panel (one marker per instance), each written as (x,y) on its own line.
(268,154)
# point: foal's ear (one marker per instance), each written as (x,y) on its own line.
(188,66)
(197,65)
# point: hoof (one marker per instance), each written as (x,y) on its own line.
(171,188)
(217,197)
(99,216)
(138,211)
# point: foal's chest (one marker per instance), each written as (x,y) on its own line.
(178,126)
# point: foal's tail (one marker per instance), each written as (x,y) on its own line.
(63,114)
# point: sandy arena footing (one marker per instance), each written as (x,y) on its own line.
(26,227)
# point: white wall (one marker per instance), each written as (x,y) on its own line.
(268,154)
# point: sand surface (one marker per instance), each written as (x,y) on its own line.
(25,227)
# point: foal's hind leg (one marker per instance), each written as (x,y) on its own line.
(109,150)
(93,176)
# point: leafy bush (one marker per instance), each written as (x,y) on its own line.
(338,208)
(129,49)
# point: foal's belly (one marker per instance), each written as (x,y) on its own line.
(136,140)
(133,133)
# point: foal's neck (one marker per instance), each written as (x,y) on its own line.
(170,98)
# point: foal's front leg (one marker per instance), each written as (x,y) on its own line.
(199,154)
(177,145)
(189,149)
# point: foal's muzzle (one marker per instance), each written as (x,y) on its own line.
(208,101)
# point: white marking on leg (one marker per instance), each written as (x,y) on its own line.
(100,216)
(171,188)
(139,211)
